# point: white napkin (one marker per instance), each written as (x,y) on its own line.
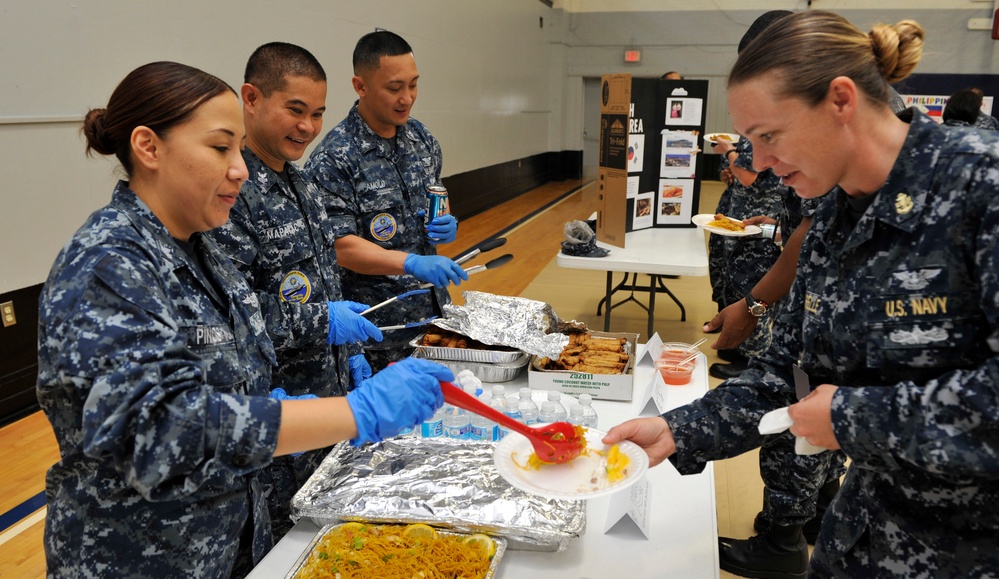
(779,420)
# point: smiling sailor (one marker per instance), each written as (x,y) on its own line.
(376,169)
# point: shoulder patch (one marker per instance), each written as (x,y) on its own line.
(383,227)
(296,287)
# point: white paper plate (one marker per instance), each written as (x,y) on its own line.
(564,481)
(712,138)
(702,219)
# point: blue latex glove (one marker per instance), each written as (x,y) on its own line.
(434,269)
(443,229)
(360,369)
(347,326)
(400,396)
(280,394)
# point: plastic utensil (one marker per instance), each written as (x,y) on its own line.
(685,360)
(689,348)
(554,443)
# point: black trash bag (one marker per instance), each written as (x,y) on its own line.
(580,241)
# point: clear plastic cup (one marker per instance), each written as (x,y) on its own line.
(674,373)
(676,351)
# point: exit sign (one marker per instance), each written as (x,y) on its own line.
(632,55)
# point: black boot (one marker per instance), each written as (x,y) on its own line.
(726,371)
(811,527)
(780,553)
(732,355)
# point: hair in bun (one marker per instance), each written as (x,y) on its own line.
(158,95)
(805,51)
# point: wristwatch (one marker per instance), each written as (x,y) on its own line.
(756,307)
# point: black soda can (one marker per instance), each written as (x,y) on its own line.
(436,203)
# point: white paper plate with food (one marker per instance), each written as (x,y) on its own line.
(712,138)
(722,225)
(598,472)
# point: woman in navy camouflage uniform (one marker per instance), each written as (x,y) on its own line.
(894,314)
(154,365)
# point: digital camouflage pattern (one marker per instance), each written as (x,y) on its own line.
(902,313)
(373,187)
(154,378)
(736,264)
(984,121)
(281,240)
(791,481)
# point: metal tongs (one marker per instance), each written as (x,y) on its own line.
(481,248)
(553,443)
(422,322)
(401,296)
(501,260)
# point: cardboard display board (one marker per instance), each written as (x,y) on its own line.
(612,174)
(650,154)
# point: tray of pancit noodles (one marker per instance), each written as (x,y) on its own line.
(362,550)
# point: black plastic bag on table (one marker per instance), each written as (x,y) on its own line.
(580,241)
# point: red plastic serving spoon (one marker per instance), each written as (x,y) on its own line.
(556,442)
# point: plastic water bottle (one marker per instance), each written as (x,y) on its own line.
(466,378)
(589,414)
(498,403)
(456,422)
(510,407)
(547,414)
(576,415)
(527,407)
(561,414)
(433,427)
(480,427)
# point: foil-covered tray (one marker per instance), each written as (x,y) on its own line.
(467,354)
(442,482)
(486,372)
(304,557)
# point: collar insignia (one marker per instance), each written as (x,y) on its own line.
(903,204)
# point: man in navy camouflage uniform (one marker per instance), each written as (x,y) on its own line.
(375,168)
(280,238)
(894,316)
(736,264)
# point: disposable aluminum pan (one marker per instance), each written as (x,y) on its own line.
(447,483)
(304,558)
(489,373)
(467,354)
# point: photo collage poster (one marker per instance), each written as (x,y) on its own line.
(665,124)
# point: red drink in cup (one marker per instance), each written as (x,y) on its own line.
(669,364)
(676,372)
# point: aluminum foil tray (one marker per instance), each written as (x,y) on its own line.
(446,483)
(466,354)
(489,373)
(304,558)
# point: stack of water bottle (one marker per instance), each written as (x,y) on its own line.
(453,422)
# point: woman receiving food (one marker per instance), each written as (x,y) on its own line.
(154,367)
(894,315)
